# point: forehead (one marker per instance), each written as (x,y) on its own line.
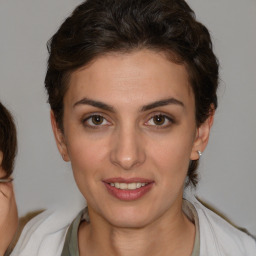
(141,76)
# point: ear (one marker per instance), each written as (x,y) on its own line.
(59,138)
(202,136)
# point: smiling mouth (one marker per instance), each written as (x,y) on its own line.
(128,189)
(128,186)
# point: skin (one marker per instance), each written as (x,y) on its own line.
(8,212)
(129,142)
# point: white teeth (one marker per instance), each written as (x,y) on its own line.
(138,185)
(128,186)
(123,186)
(117,185)
(132,186)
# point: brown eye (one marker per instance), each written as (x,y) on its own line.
(97,120)
(159,119)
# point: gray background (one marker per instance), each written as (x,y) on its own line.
(43,180)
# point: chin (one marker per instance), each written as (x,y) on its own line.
(129,217)
(129,222)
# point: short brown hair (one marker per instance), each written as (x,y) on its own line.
(8,140)
(97,27)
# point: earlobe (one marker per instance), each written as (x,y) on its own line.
(202,137)
(59,138)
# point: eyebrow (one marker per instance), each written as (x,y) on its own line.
(94,103)
(161,103)
(104,106)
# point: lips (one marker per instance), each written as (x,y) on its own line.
(128,189)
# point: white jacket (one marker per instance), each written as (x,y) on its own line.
(45,235)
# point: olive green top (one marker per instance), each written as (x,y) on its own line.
(71,242)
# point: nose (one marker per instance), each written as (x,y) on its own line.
(127,149)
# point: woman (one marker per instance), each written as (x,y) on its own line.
(8,208)
(132,89)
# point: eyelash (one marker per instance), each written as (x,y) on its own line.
(88,122)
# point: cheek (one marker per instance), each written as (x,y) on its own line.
(86,157)
(83,161)
(83,157)
(172,154)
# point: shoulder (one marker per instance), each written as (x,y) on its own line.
(220,237)
(44,234)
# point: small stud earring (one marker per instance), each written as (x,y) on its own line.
(199,153)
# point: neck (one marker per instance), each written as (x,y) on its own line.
(168,235)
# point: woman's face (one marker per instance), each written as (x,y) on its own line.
(130,132)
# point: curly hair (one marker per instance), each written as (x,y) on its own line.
(8,140)
(97,27)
